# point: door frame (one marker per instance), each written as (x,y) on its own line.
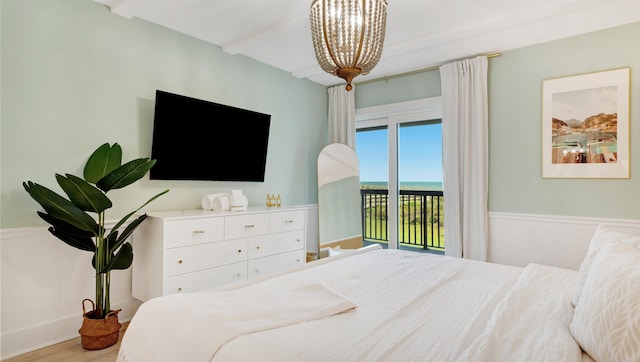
(391,115)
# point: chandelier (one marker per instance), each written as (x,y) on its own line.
(348,35)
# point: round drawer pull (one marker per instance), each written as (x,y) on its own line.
(257,247)
(179,289)
(180,261)
(239,251)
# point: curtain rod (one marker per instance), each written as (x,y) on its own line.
(491,55)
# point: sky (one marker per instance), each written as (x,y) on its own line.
(584,103)
(420,154)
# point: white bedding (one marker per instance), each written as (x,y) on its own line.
(209,320)
(410,307)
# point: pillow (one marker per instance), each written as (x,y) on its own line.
(602,235)
(606,322)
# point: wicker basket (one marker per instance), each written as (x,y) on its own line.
(98,333)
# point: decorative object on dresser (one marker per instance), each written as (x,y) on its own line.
(71,223)
(194,250)
(235,201)
(274,200)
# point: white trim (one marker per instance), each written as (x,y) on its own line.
(430,107)
(27,231)
(576,220)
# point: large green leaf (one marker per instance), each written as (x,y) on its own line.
(85,244)
(122,259)
(83,194)
(65,226)
(61,208)
(114,244)
(126,174)
(102,161)
(70,234)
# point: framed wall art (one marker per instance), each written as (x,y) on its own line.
(585,125)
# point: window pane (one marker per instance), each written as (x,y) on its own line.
(420,213)
(372,150)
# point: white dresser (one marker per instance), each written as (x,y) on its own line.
(188,251)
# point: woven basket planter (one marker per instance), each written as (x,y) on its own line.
(98,333)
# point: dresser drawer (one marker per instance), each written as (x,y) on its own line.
(242,226)
(205,279)
(193,231)
(262,246)
(198,257)
(286,220)
(270,264)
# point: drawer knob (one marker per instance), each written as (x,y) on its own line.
(239,251)
(198,231)
(249,226)
(180,261)
(257,247)
(179,289)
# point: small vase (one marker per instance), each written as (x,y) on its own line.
(98,333)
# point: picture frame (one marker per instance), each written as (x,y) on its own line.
(585,125)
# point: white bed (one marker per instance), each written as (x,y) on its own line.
(391,305)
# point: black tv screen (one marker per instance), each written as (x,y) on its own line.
(194,139)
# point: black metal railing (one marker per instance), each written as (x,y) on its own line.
(420,217)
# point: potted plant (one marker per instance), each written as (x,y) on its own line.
(71,222)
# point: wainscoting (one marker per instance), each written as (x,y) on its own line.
(561,241)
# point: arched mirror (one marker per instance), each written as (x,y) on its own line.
(339,216)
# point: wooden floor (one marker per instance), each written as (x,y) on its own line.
(71,351)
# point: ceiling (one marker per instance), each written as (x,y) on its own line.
(420,33)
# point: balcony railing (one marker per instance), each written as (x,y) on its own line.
(420,217)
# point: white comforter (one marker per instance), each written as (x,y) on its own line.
(410,307)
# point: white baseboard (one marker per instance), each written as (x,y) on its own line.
(54,331)
(561,241)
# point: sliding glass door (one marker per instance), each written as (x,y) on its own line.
(400,157)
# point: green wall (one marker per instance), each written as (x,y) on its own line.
(74,76)
(515,129)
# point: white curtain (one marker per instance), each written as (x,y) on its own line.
(342,116)
(465,157)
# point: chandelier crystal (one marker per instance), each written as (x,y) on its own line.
(348,35)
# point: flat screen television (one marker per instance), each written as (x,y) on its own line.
(194,139)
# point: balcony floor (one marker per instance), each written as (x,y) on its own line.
(416,249)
